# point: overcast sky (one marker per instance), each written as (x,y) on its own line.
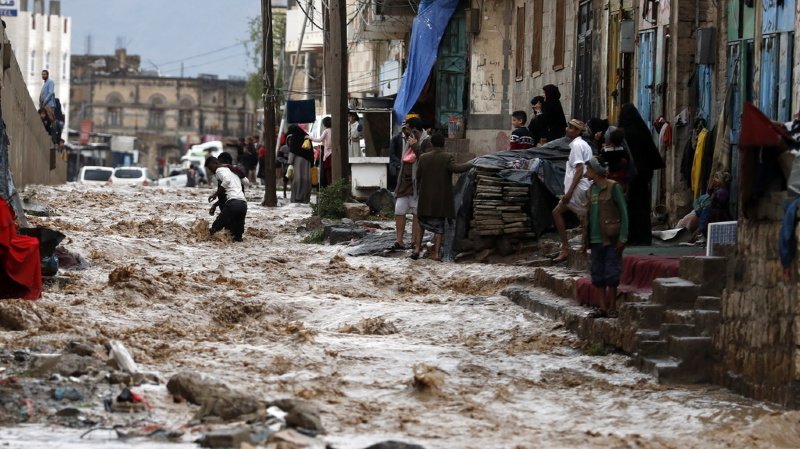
(204,34)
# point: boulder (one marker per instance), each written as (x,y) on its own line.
(300,414)
(356,211)
(343,233)
(381,201)
(215,398)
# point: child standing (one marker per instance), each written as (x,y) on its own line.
(606,232)
(521,138)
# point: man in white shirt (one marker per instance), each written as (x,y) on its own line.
(232,216)
(575,185)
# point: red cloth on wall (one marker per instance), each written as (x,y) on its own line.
(20,263)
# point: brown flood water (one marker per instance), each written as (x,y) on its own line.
(279,318)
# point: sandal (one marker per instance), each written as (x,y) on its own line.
(414,256)
(398,246)
(560,258)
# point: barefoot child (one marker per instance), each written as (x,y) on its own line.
(606,231)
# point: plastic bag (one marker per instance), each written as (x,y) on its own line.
(290,172)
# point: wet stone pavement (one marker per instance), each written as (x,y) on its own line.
(381,348)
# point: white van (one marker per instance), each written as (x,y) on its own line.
(92,174)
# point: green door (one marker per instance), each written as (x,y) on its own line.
(451,71)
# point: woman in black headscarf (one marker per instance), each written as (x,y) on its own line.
(647,160)
(597,128)
(553,121)
(300,159)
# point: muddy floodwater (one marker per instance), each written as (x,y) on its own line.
(387,348)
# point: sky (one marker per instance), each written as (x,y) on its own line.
(205,35)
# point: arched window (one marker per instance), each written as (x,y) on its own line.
(33,63)
(114,109)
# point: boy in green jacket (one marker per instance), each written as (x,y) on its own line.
(606,231)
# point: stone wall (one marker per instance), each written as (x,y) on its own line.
(30,149)
(759,338)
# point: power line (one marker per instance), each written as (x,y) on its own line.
(201,54)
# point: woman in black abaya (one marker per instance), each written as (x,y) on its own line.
(647,159)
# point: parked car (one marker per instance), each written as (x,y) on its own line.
(131,176)
(92,174)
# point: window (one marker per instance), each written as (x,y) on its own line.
(33,63)
(114,116)
(46,62)
(519,54)
(64,64)
(536,45)
(559,27)
(185,118)
(155,119)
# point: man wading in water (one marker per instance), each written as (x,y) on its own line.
(231,217)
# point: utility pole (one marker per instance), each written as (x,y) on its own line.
(336,86)
(268,95)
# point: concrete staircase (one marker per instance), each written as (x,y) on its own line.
(674,327)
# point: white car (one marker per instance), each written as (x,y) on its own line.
(92,174)
(130,176)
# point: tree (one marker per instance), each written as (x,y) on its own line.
(254,50)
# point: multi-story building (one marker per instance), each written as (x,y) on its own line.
(41,41)
(165,114)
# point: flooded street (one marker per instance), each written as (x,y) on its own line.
(387,348)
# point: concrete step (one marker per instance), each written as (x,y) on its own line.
(652,348)
(708,303)
(659,367)
(678,330)
(690,348)
(648,334)
(675,293)
(641,314)
(710,273)
(707,321)
(679,316)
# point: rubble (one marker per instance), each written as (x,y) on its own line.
(215,398)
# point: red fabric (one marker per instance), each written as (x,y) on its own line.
(20,263)
(638,273)
(758,130)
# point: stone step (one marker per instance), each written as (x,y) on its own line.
(672,370)
(710,273)
(652,348)
(708,303)
(674,293)
(707,321)
(678,330)
(690,349)
(648,334)
(679,316)
(659,367)
(641,314)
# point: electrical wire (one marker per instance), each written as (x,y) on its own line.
(199,55)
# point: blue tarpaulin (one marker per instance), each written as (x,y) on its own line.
(426,34)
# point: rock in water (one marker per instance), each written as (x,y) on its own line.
(66,365)
(214,397)
(300,414)
(380,201)
(394,445)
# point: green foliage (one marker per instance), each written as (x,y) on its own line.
(316,236)
(255,52)
(331,199)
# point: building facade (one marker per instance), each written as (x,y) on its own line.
(165,114)
(41,40)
